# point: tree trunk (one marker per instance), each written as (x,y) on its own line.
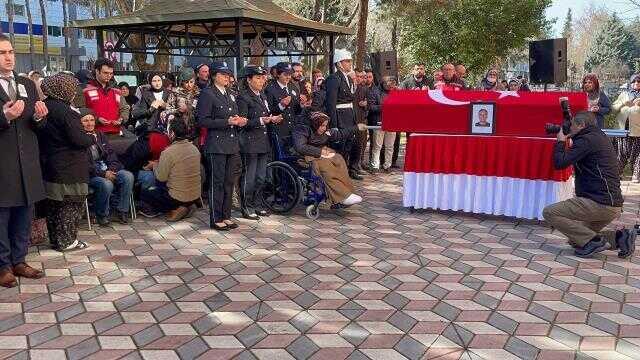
(10,16)
(316,16)
(27,6)
(361,40)
(67,32)
(45,34)
(394,34)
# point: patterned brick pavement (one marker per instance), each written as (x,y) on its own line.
(375,282)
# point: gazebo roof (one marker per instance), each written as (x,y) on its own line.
(166,12)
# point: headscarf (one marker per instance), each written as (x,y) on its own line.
(60,86)
(151,76)
(485,84)
(634,93)
(316,119)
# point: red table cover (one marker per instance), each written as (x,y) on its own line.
(500,156)
(517,113)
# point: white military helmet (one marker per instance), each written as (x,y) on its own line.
(341,54)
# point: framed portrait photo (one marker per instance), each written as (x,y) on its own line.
(482,119)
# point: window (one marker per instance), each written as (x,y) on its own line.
(87,34)
(18,10)
(55,31)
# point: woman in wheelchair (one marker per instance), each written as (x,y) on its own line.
(311,141)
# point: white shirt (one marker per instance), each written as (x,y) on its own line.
(222,90)
(158,95)
(5,85)
(349,81)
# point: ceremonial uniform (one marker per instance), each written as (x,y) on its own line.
(275,92)
(222,147)
(340,95)
(254,146)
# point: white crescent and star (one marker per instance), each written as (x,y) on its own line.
(439,97)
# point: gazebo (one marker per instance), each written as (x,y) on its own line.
(216,29)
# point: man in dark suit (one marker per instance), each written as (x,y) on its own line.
(284,99)
(20,177)
(340,96)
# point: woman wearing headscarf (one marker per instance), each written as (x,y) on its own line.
(311,140)
(182,100)
(627,105)
(63,149)
(599,103)
(490,81)
(153,100)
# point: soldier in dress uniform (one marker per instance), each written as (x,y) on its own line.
(254,141)
(218,113)
(284,99)
(340,95)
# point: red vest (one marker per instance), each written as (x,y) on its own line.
(105,103)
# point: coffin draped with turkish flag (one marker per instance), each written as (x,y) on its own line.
(509,172)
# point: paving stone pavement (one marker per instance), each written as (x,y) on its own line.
(373,282)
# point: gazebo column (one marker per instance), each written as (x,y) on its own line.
(238,47)
(331,52)
(100,42)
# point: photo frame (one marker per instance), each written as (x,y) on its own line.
(482,118)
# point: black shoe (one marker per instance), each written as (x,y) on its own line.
(386,171)
(395,166)
(122,218)
(361,172)
(231,225)
(103,221)
(374,171)
(354,175)
(263,213)
(250,216)
(213,225)
(594,246)
(626,243)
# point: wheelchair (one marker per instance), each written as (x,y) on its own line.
(290,180)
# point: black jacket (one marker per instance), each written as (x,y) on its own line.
(375,98)
(595,164)
(309,143)
(63,145)
(338,92)
(274,94)
(102,151)
(213,112)
(146,116)
(253,136)
(137,154)
(20,173)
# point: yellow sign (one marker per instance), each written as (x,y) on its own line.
(21,45)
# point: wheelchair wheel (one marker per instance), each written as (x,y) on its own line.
(313,211)
(282,188)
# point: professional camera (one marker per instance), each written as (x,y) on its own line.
(553,129)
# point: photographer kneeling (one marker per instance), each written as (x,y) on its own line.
(598,198)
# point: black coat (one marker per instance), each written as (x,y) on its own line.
(595,164)
(338,92)
(253,136)
(21,176)
(104,152)
(137,155)
(309,143)
(144,114)
(63,145)
(274,94)
(213,112)
(375,97)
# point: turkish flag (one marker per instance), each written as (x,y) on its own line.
(449,112)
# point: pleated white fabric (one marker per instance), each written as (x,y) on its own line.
(521,198)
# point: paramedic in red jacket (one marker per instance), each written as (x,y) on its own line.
(104,99)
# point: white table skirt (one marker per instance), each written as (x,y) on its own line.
(521,198)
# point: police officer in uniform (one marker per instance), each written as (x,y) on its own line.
(340,95)
(284,99)
(218,113)
(254,140)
